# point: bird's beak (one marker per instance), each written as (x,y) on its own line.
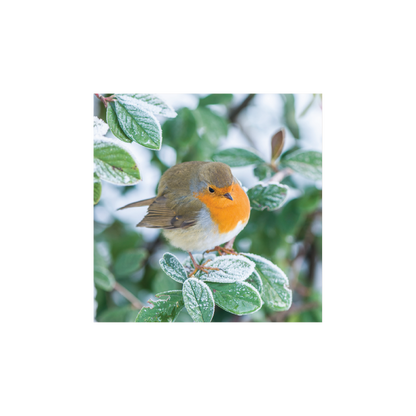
(227,195)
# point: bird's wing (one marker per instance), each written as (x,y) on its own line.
(164,213)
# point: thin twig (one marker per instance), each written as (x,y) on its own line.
(105,100)
(128,295)
(234,112)
(280,175)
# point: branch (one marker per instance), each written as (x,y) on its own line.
(234,112)
(128,295)
(280,175)
(105,100)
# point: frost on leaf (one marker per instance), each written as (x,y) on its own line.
(255,280)
(276,293)
(100,128)
(173,268)
(138,124)
(270,197)
(239,298)
(154,104)
(307,163)
(165,309)
(232,269)
(113,163)
(199,301)
(200,259)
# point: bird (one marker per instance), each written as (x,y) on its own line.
(199,206)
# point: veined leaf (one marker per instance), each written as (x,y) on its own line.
(239,298)
(97,189)
(276,294)
(232,269)
(199,301)
(114,164)
(262,171)
(114,125)
(210,125)
(153,104)
(307,163)
(173,268)
(270,197)
(236,157)
(138,124)
(165,309)
(255,281)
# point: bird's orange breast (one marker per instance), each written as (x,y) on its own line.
(224,212)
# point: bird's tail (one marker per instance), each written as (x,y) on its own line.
(143,203)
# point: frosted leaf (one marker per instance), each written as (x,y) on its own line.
(200,259)
(269,197)
(154,104)
(276,294)
(173,268)
(115,125)
(199,301)
(307,163)
(138,124)
(239,298)
(131,93)
(100,127)
(165,309)
(232,269)
(113,163)
(255,280)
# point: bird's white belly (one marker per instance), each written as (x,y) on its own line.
(202,236)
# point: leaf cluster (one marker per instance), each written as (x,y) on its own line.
(240,286)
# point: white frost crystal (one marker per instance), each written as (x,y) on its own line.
(100,128)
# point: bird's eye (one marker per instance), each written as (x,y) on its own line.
(211,190)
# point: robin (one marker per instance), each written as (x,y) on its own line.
(199,205)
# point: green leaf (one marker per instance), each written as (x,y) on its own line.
(235,157)
(276,295)
(173,268)
(239,298)
(216,99)
(270,197)
(165,309)
(103,278)
(128,262)
(114,125)
(97,189)
(137,124)
(199,301)
(232,269)
(307,163)
(114,164)
(255,281)
(153,104)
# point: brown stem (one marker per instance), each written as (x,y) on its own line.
(105,100)
(128,295)
(279,176)
(237,110)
